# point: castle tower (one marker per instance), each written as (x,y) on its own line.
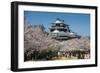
(60,31)
(59,26)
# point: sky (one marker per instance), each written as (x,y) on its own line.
(78,22)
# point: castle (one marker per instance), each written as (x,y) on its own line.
(61,31)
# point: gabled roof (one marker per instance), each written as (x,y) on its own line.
(58,21)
